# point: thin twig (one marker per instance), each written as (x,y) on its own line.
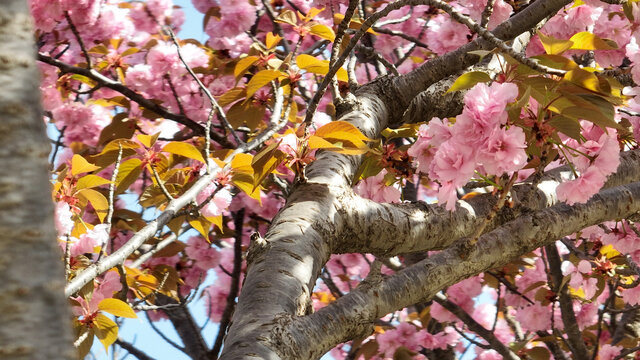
(276,26)
(633,266)
(496,208)
(601,312)
(58,144)
(157,247)
(132,350)
(163,336)
(477,328)
(400,34)
(337,43)
(626,352)
(112,190)
(75,32)
(156,176)
(67,256)
(465,20)
(235,284)
(486,13)
(133,96)
(205,90)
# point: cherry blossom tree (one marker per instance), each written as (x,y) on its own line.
(468,186)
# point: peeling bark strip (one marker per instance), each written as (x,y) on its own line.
(33,311)
(271,318)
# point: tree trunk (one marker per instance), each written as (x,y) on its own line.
(33,311)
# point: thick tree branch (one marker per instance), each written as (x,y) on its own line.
(574,336)
(353,314)
(393,229)
(408,86)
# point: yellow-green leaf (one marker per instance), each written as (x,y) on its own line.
(304,60)
(215,220)
(323,31)
(91,181)
(97,200)
(202,225)
(584,79)
(609,251)
(556,61)
(469,80)
(568,126)
(320,67)
(243,65)
(265,162)
(554,46)
(128,173)
(261,79)
(114,145)
(244,182)
(106,330)
(246,112)
(184,149)
(587,41)
(313,12)
(117,307)
(80,165)
(241,163)
(272,40)
(287,17)
(323,69)
(99,50)
(341,126)
(148,140)
(231,95)
(129,51)
(316,142)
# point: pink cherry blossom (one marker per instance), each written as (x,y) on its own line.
(82,122)
(374,188)
(453,162)
(444,34)
(534,317)
(402,335)
(586,314)
(62,219)
(236,16)
(219,203)
(581,189)
(201,251)
(216,297)
(203,5)
(609,352)
(503,151)
(631,296)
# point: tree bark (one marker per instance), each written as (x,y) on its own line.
(33,311)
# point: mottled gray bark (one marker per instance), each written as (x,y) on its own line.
(36,322)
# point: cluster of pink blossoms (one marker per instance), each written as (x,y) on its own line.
(479,140)
(594,159)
